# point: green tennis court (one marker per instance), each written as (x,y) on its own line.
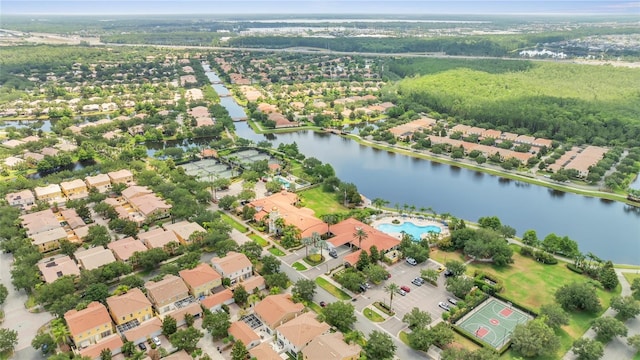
(493,322)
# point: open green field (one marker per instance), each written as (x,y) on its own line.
(533,284)
(320,202)
(332,289)
(231,221)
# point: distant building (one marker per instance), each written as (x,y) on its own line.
(22,199)
(201,279)
(74,189)
(50,193)
(100,182)
(235,266)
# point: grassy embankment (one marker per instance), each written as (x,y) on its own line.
(532,284)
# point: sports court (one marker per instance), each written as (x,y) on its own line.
(493,322)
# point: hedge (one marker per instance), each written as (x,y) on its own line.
(575,269)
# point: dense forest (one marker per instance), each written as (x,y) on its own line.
(578,103)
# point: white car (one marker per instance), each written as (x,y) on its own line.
(444,305)
(156,340)
(402,292)
(412,261)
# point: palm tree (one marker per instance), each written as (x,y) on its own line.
(329,219)
(360,235)
(391,289)
(379,203)
(412,208)
(306,242)
(322,244)
(59,331)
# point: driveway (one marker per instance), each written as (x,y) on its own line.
(16,316)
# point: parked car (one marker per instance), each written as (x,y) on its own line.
(323,304)
(448,273)
(412,261)
(444,305)
(452,301)
(367,285)
(363,288)
(440,269)
(405,288)
(156,340)
(333,253)
(417,281)
(402,292)
(142,346)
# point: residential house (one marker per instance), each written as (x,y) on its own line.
(182,355)
(72,219)
(145,202)
(100,182)
(53,268)
(275,310)
(243,333)
(235,266)
(215,301)
(90,325)
(128,307)
(166,292)
(184,230)
(123,249)
(343,235)
(39,221)
(74,189)
(93,258)
(113,343)
(282,205)
(182,310)
(144,331)
(254,282)
(294,335)
(123,176)
(331,347)
(201,279)
(49,240)
(264,351)
(50,193)
(22,199)
(158,238)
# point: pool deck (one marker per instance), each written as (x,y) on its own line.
(416,220)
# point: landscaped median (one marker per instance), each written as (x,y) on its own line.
(372,315)
(233,222)
(332,289)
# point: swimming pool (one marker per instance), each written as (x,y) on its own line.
(410,228)
(283,181)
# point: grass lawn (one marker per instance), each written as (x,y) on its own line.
(315,307)
(320,202)
(332,289)
(460,341)
(372,315)
(275,251)
(404,337)
(299,266)
(313,260)
(631,276)
(259,240)
(231,221)
(533,284)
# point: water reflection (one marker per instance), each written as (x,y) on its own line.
(556,193)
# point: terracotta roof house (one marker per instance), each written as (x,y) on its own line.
(585,159)
(50,193)
(331,347)
(12,144)
(201,279)
(235,266)
(525,139)
(93,258)
(33,156)
(297,333)
(88,326)
(345,229)
(275,310)
(49,240)
(254,282)
(264,351)
(39,221)
(158,238)
(282,205)
(113,343)
(214,302)
(150,206)
(166,292)
(179,314)
(135,191)
(56,267)
(184,229)
(72,219)
(74,189)
(461,128)
(100,182)
(123,176)
(22,199)
(132,305)
(123,249)
(180,355)
(144,331)
(243,333)
(494,134)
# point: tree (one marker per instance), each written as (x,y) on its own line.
(217,323)
(392,289)
(608,277)
(554,315)
(363,260)
(98,235)
(43,342)
(430,275)
(417,318)
(380,346)
(578,296)
(279,280)
(456,267)
(375,273)
(251,249)
(270,264)
(490,222)
(607,328)
(186,339)
(8,340)
(169,325)
(635,288)
(239,351)
(587,349)
(530,238)
(634,341)
(105,354)
(304,289)
(460,286)
(360,235)
(534,338)
(240,295)
(128,348)
(627,307)
(96,292)
(3,293)
(59,331)
(189,319)
(464,354)
(339,314)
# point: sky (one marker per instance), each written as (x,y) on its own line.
(414,7)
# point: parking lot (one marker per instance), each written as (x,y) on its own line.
(425,297)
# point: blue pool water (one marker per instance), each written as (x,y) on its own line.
(410,228)
(283,181)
